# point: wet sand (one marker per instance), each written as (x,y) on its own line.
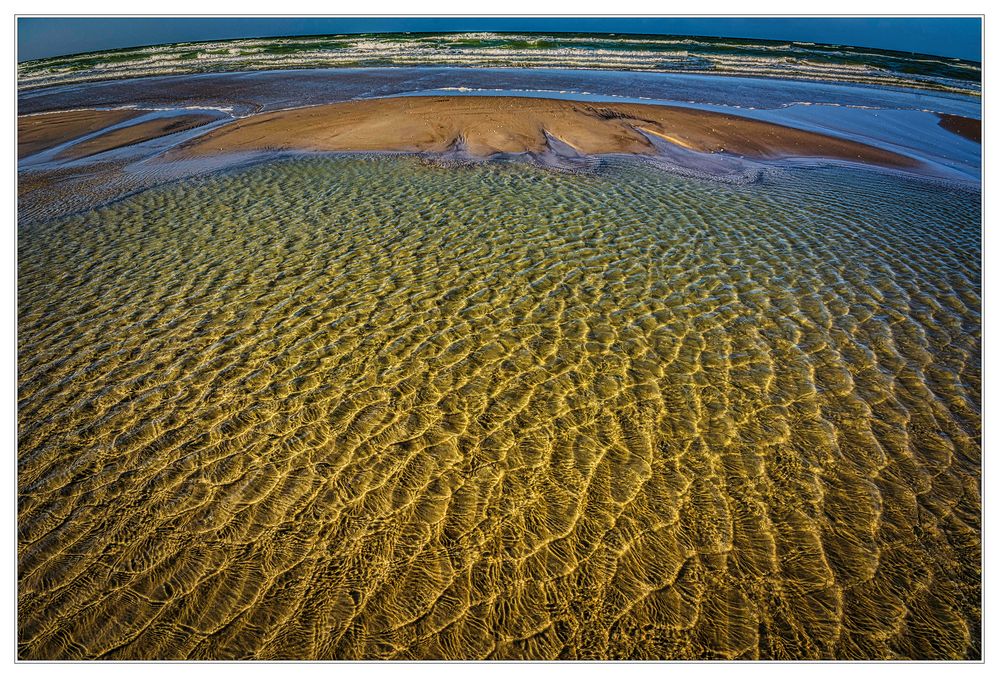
(484,126)
(36,133)
(134,134)
(969,128)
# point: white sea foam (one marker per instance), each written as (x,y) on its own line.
(633,53)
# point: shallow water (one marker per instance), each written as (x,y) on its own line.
(366,407)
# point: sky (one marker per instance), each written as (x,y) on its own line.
(51,36)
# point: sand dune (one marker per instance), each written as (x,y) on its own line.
(483,126)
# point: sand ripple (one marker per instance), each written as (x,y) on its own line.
(364,408)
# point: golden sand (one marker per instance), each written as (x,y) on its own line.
(133,134)
(37,133)
(484,126)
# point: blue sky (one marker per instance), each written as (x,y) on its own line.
(45,36)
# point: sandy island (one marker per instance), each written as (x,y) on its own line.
(484,126)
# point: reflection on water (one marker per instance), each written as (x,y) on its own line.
(365,408)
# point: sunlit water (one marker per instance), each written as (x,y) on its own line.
(366,407)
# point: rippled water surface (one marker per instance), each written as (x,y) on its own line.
(365,408)
(663,53)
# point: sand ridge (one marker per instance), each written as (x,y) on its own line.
(133,134)
(485,125)
(42,131)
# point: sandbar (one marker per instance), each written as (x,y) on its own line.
(40,132)
(488,125)
(969,128)
(133,134)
